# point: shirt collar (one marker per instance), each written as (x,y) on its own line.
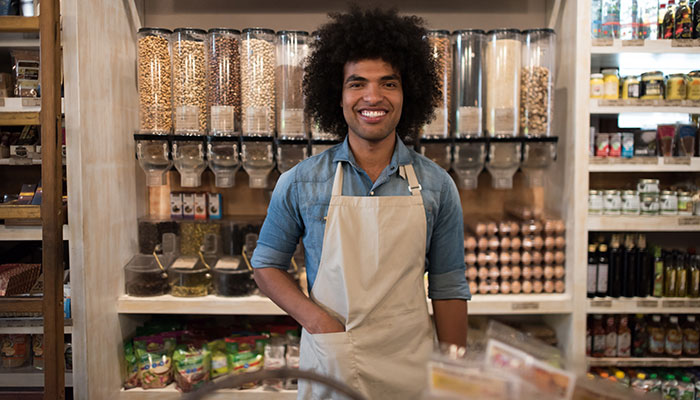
(401,155)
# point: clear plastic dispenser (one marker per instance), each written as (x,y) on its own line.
(190,276)
(468,161)
(441,53)
(290,152)
(224,81)
(153,154)
(188,157)
(257,158)
(438,150)
(189,81)
(145,274)
(504,158)
(222,152)
(539,155)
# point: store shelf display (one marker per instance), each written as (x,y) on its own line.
(648,200)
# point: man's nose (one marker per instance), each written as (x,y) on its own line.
(372,94)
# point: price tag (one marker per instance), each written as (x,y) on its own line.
(683,43)
(677,160)
(693,303)
(185,262)
(601,303)
(685,221)
(20,161)
(682,363)
(603,42)
(31,102)
(674,303)
(647,303)
(228,263)
(525,305)
(633,43)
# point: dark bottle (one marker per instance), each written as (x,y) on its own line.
(645,271)
(682,267)
(629,270)
(657,289)
(640,337)
(670,289)
(592,282)
(616,267)
(603,267)
(669,19)
(683,25)
(696,19)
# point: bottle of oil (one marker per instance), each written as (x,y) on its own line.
(616,267)
(657,289)
(681,275)
(669,276)
(683,21)
(669,19)
(644,268)
(629,270)
(591,284)
(603,286)
(694,282)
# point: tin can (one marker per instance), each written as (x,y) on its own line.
(652,86)
(649,203)
(630,202)
(612,202)
(669,203)
(645,186)
(630,87)
(685,203)
(676,87)
(693,92)
(595,202)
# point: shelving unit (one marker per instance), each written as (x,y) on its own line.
(643,362)
(19,24)
(171,393)
(644,164)
(642,223)
(32,326)
(27,377)
(617,107)
(645,46)
(9,233)
(649,305)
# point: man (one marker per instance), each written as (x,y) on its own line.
(372,214)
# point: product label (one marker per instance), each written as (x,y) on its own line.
(611,344)
(652,88)
(597,90)
(256,120)
(526,305)
(612,89)
(176,205)
(603,279)
(624,344)
(693,91)
(222,119)
(27,78)
(647,304)
(595,204)
(691,341)
(186,119)
(602,145)
(674,342)
(598,344)
(504,121)
(292,122)
(657,340)
(438,125)
(469,120)
(633,91)
(228,263)
(30,102)
(185,262)
(592,278)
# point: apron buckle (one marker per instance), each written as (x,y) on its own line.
(417,187)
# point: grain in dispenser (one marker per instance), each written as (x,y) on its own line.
(224,81)
(154,81)
(189,81)
(441,53)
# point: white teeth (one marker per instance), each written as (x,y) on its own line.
(373,114)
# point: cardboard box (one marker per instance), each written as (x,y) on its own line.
(214,205)
(176,205)
(200,206)
(22,151)
(188,205)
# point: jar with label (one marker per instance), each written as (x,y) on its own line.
(224,81)
(597,86)
(189,81)
(258,82)
(595,202)
(612,202)
(292,49)
(648,186)
(441,53)
(468,58)
(611,89)
(652,86)
(657,337)
(649,203)
(693,85)
(676,87)
(154,81)
(502,60)
(674,337)
(630,202)
(685,203)
(630,87)
(669,203)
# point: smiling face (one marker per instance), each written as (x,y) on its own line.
(372,99)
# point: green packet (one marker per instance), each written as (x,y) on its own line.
(219,361)
(191,367)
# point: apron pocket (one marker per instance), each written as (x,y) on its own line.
(328,354)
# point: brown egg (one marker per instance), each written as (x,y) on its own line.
(537,272)
(536,257)
(527,287)
(559,271)
(473,287)
(505,287)
(505,243)
(514,229)
(494,243)
(482,259)
(514,257)
(472,273)
(549,227)
(504,258)
(548,286)
(516,243)
(491,228)
(483,273)
(484,287)
(470,258)
(493,258)
(526,228)
(483,244)
(506,272)
(470,243)
(494,272)
(527,272)
(516,272)
(527,243)
(537,227)
(548,272)
(549,242)
(537,242)
(559,286)
(559,257)
(526,258)
(537,287)
(515,287)
(559,227)
(560,242)
(495,287)
(548,257)
(480,229)
(504,228)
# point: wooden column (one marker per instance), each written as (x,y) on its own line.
(51,210)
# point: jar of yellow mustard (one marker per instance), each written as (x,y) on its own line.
(693,89)
(597,86)
(675,87)
(630,87)
(652,86)
(612,84)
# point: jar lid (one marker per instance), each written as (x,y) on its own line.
(650,73)
(593,191)
(694,73)
(683,193)
(612,191)
(258,30)
(503,30)
(476,31)
(649,195)
(596,76)
(538,30)
(667,192)
(154,30)
(630,192)
(279,33)
(438,32)
(224,30)
(647,181)
(193,30)
(631,77)
(677,76)
(608,71)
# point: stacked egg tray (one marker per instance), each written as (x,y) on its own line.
(513,257)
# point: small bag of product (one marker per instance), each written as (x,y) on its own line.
(219,361)
(155,361)
(245,354)
(191,366)
(131,374)
(15,350)
(38,351)
(25,65)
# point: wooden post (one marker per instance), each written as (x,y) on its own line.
(51,210)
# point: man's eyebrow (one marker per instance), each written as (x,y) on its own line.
(390,77)
(355,78)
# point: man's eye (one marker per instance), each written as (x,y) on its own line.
(392,85)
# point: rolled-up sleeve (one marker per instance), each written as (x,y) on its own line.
(446,269)
(282,228)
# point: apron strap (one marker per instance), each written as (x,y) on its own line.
(338,181)
(413,186)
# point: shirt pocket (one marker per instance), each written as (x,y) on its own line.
(314,216)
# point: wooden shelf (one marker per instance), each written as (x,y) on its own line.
(643,106)
(24,304)
(33,326)
(27,377)
(639,305)
(257,305)
(18,162)
(19,40)
(20,212)
(644,46)
(19,118)
(171,393)
(642,362)
(644,164)
(19,24)
(642,223)
(13,233)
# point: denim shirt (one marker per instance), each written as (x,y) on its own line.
(300,202)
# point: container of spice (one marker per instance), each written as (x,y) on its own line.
(595,202)
(612,202)
(502,68)
(292,49)
(630,87)
(693,92)
(676,87)
(652,86)
(685,203)
(154,81)
(189,81)
(537,82)
(145,275)
(630,202)
(686,139)
(597,86)
(648,186)
(611,89)
(189,276)
(669,202)
(649,203)
(224,81)
(441,52)
(232,278)
(468,65)
(258,81)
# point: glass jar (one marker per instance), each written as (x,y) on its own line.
(154,81)
(693,92)
(258,82)
(630,87)
(502,68)
(597,86)
(675,87)
(537,82)
(188,276)
(649,203)
(224,81)
(145,276)
(595,202)
(669,203)
(292,49)
(189,81)
(652,86)
(232,278)
(611,89)
(612,202)
(685,203)
(648,186)
(630,202)
(441,52)
(468,66)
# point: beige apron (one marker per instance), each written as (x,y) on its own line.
(371,279)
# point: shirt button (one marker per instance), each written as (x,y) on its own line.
(371,193)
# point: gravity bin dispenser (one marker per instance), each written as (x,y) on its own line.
(153,155)
(222,152)
(438,150)
(291,152)
(469,156)
(189,157)
(538,154)
(503,161)
(257,158)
